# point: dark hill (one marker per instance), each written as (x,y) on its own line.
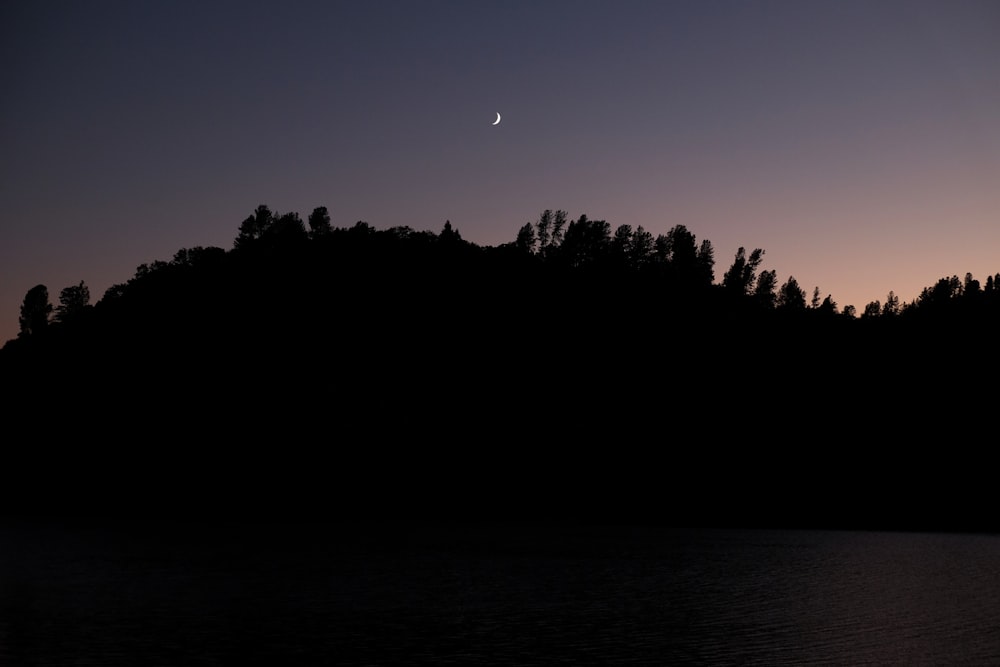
(396,373)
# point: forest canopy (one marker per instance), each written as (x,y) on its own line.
(365,343)
(675,265)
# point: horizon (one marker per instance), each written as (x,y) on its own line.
(856,143)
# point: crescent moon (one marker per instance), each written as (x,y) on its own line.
(497,122)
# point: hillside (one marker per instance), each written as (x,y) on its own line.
(573,372)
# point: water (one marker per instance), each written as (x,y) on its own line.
(170,594)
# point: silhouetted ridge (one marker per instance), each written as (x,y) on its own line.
(577,369)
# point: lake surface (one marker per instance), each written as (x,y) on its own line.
(173,594)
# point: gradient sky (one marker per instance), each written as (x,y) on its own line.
(856,142)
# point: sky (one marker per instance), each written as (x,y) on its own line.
(856,142)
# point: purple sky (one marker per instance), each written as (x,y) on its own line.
(857,143)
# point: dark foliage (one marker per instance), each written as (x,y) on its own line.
(575,371)
(35,311)
(73,300)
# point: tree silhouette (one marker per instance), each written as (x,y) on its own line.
(72,301)
(144,269)
(255,226)
(621,243)
(114,292)
(791,296)
(197,256)
(35,311)
(739,279)
(558,225)
(544,229)
(449,234)
(550,230)
(764,292)
(943,291)
(706,263)
(971,285)
(526,240)
(285,228)
(688,265)
(362,229)
(586,242)
(641,249)
(319,223)
(891,306)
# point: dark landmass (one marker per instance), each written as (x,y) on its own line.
(574,374)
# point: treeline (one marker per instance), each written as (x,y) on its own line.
(580,366)
(673,267)
(560,291)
